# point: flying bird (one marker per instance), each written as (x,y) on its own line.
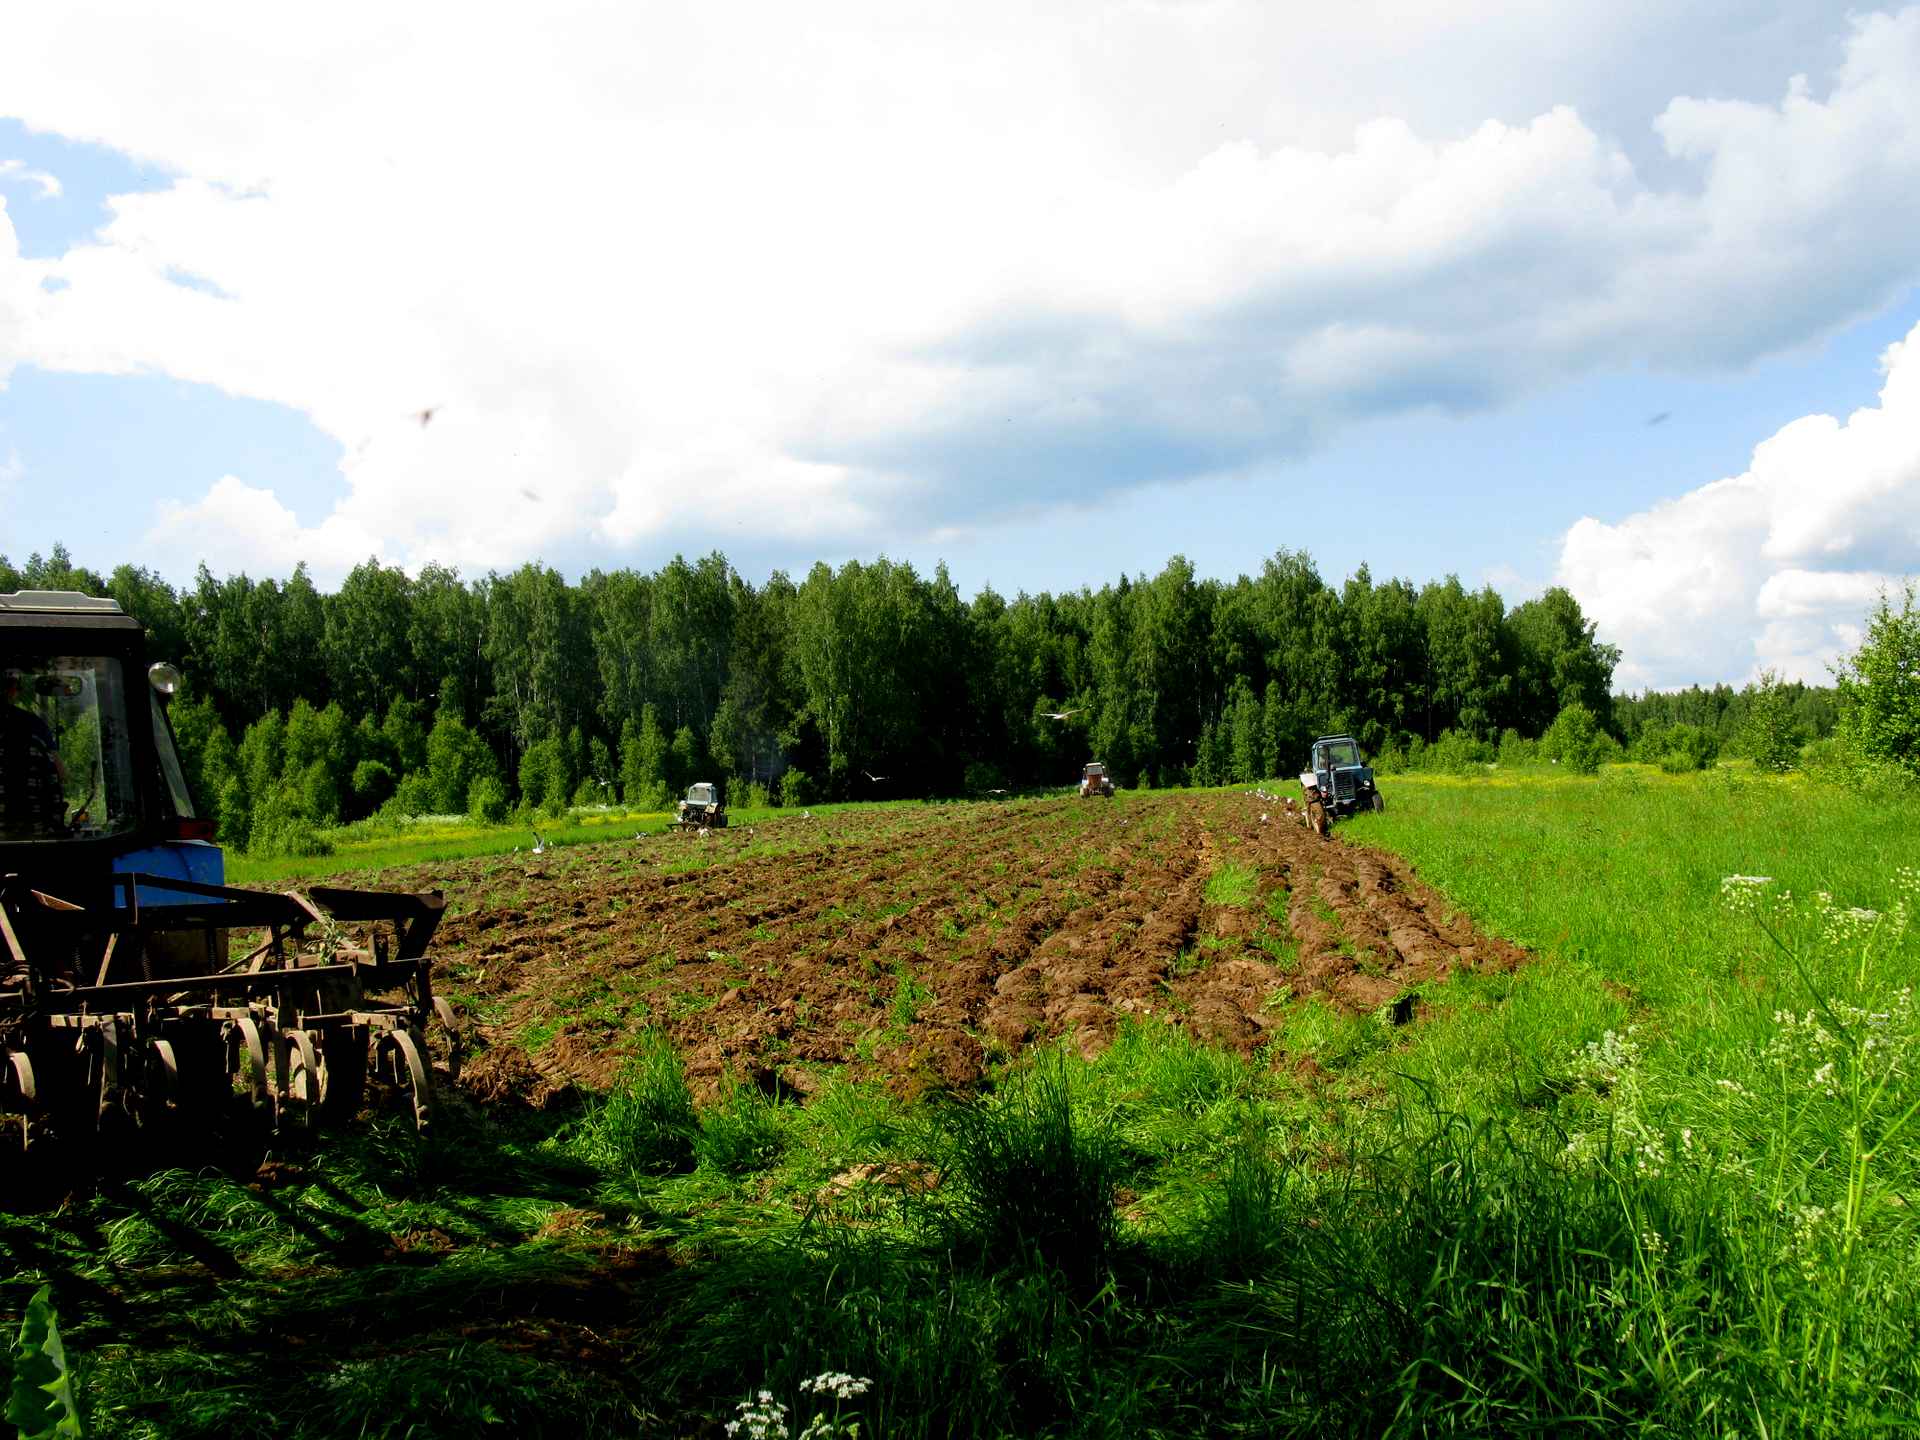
(1061,714)
(425,417)
(1660,419)
(539,843)
(876,779)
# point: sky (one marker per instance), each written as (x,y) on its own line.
(1619,297)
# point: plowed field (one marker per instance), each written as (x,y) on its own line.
(921,942)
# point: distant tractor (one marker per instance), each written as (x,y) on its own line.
(1337,784)
(1094,780)
(702,807)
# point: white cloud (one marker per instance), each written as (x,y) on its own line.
(18,170)
(1775,567)
(863,271)
(236,528)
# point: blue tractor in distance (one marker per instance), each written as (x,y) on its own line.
(139,993)
(1337,783)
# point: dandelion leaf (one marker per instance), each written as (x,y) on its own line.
(40,1401)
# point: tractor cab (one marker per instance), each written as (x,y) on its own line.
(1337,778)
(90,782)
(1094,780)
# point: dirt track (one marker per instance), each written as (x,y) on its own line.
(923,941)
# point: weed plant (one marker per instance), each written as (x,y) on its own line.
(646,1125)
(741,1133)
(1027,1179)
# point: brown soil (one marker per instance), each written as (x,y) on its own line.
(921,942)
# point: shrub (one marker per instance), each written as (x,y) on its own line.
(1456,751)
(487,800)
(1880,686)
(414,795)
(1516,749)
(373,784)
(1678,749)
(797,788)
(981,775)
(1576,741)
(753,796)
(279,829)
(1771,735)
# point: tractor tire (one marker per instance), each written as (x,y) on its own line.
(1317,820)
(1378,804)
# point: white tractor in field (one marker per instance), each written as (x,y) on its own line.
(1094,780)
(702,808)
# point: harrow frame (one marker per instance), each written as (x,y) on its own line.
(121,1012)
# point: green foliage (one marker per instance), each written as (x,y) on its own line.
(487,800)
(1516,749)
(545,783)
(797,788)
(281,827)
(1771,736)
(1026,1179)
(643,760)
(1456,752)
(741,1133)
(647,1125)
(415,795)
(373,785)
(981,776)
(1879,686)
(1575,740)
(683,761)
(1678,749)
(40,1399)
(456,758)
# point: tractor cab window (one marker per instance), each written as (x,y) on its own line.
(66,765)
(1342,753)
(701,794)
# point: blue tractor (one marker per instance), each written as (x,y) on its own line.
(123,1005)
(1337,784)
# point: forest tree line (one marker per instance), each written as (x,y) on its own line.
(435,694)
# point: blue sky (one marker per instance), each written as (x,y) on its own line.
(1407,290)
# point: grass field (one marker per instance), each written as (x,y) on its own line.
(1659,1179)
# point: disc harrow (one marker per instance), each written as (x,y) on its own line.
(124,1013)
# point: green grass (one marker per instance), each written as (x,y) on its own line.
(372,847)
(1232,883)
(1659,1181)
